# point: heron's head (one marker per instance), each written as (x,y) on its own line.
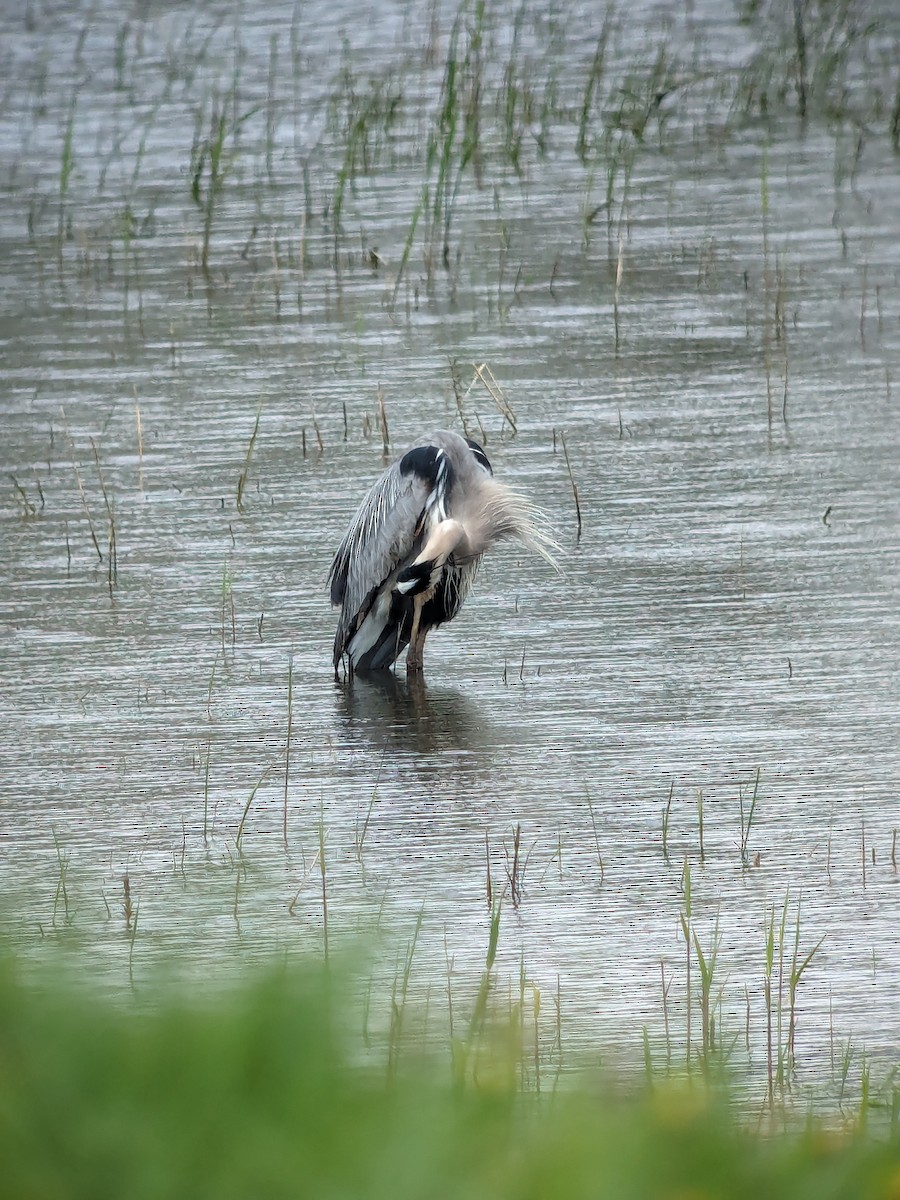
(479,455)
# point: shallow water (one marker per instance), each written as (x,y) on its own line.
(731,606)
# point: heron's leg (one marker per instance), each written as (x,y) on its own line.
(415,653)
(416,640)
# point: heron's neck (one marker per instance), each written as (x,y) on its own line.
(446,538)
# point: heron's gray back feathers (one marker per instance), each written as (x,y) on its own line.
(380,537)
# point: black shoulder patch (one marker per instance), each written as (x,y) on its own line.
(480,456)
(422,461)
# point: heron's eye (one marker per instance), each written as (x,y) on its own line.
(479,455)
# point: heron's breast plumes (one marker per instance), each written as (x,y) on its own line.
(493,513)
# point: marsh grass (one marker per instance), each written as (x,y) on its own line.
(463,1048)
(80,485)
(227,615)
(287,744)
(322,873)
(706,964)
(575,497)
(666,812)
(362,113)
(361,828)
(61,895)
(383,423)
(239,835)
(454,143)
(128,909)
(700,824)
(665,986)
(262,1086)
(747,819)
(515,869)
(112,558)
(399,994)
(784,971)
(462,125)
(67,162)
(485,376)
(248,457)
(701,1031)
(687,931)
(28,508)
(212,158)
(600,866)
(206,762)
(808,60)
(590,90)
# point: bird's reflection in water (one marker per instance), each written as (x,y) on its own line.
(406,715)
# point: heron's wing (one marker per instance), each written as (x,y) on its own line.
(380,537)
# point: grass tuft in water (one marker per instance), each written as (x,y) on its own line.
(747,820)
(245,469)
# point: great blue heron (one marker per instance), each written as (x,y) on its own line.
(408,560)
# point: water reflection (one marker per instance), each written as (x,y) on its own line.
(403,716)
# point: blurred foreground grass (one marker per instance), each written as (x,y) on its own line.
(259,1093)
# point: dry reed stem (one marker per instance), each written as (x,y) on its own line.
(84,503)
(562,438)
(383,422)
(486,376)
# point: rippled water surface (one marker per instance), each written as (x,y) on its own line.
(706,304)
